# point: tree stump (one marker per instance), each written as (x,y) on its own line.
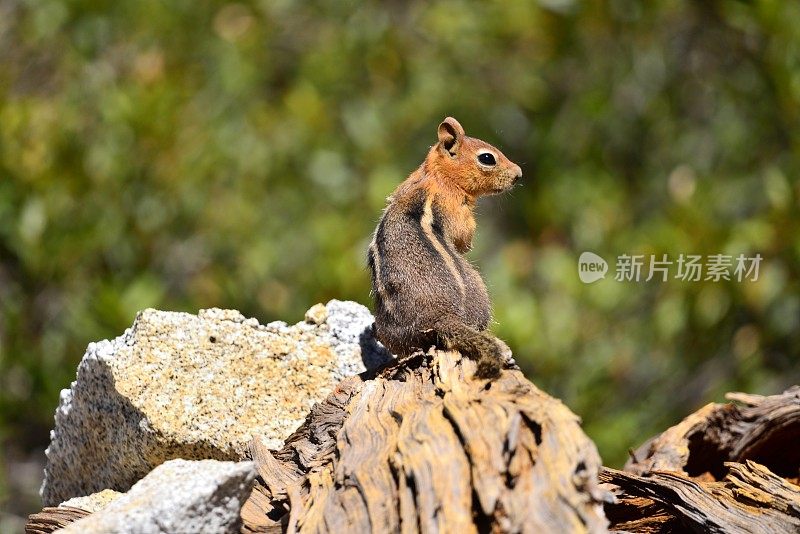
(725,468)
(422,446)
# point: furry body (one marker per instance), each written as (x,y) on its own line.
(426,293)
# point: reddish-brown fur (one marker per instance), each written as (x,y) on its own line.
(426,293)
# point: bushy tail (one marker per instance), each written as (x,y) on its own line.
(482,347)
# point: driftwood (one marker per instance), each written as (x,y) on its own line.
(421,446)
(50,519)
(725,468)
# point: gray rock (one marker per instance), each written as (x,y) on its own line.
(350,324)
(177,385)
(178,496)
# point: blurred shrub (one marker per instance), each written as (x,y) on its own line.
(182,155)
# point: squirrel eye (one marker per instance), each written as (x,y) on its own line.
(487,159)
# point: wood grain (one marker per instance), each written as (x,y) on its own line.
(725,468)
(765,429)
(422,446)
(51,519)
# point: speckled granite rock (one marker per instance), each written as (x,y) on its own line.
(178,496)
(94,502)
(177,385)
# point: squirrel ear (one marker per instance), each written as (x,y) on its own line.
(450,135)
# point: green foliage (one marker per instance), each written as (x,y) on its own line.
(182,155)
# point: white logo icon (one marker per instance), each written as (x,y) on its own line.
(591,267)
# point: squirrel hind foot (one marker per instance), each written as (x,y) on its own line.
(490,352)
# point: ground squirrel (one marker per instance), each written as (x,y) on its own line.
(426,293)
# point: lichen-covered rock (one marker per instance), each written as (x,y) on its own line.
(178,496)
(94,502)
(177,385)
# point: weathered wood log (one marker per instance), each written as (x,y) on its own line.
(51,519)
(763,429)
(750,498)
(422,446)
(725,468)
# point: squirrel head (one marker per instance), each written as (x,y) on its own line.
(472,165)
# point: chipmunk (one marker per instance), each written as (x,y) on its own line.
(426,293)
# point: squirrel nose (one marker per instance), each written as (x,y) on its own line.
(518,173)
